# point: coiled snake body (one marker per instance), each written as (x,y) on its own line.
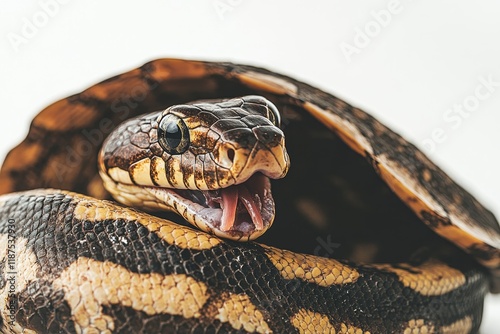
(420,252)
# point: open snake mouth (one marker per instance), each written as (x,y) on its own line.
(238,210)
(241,212)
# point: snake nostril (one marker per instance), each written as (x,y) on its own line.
(230,155)
(225,156)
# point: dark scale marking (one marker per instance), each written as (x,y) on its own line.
(187,161)
(146,71)
(268,135)
(198,169)
(184,111)
(236,103)
(212,139)
(483,252)
(224,125)
(253,120)
(372,162)
(207,118)
(209,173)
(129,144)
(43,309)
(199,139)
(88,100)
(260,109)
(434,220)
(231,113)
(198,151)
(156,149)
(241,136)
(170,169)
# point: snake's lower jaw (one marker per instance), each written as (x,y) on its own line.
(240,212)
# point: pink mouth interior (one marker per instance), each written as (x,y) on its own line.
(230,198)
(246,207)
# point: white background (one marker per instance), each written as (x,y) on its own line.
(424,59)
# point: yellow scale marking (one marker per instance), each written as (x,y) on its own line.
(88,209)
(322,271)
(120,175)
(309,322)
(88,284)
(463,325)
(433,278)
(140,172)
(241,313)
(158,167)
(420,326)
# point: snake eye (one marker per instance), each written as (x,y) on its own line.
(173,134)
(274,114)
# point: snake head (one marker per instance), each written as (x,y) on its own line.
(209,162)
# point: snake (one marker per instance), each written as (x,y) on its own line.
(135,205)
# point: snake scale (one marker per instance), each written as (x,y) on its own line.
(369,236)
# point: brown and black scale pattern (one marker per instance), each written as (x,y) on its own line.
(229,267)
